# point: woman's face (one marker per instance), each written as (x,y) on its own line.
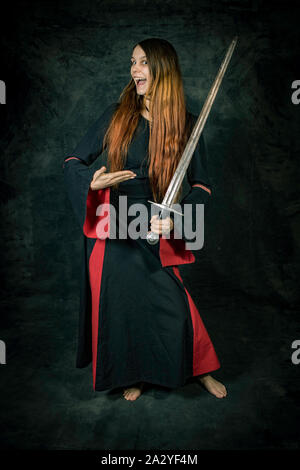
(140,69)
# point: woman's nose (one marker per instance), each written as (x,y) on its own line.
(134,69)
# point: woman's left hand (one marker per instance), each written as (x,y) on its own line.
(162,226)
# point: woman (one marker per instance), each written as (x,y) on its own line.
(138,322)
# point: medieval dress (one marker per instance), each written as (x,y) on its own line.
(137,321)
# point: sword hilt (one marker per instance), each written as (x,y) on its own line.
(152,237)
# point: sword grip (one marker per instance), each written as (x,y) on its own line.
(152,237)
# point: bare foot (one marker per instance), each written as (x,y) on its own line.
(213,386)
(133,393)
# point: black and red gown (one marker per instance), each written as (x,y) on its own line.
(137,321)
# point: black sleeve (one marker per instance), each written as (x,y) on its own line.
(91,144)
(77,174)
(197,174)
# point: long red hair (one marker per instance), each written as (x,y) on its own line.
(169,126)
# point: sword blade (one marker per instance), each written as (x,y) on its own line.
(188,152)
(186,157)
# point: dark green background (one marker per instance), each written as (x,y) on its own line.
(63,63)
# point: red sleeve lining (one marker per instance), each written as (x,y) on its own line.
(70,158)
(202,186)
(97,220)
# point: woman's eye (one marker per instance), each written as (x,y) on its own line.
(132,62)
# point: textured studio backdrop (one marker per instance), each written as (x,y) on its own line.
(63,63)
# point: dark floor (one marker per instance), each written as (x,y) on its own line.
(48,404)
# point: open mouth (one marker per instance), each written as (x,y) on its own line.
(140,82)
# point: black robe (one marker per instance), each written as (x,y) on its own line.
(137,321)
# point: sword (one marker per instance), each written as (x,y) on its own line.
(174,186)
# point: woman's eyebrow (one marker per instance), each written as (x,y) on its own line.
(140,57)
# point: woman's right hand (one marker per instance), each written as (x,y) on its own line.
(102,180)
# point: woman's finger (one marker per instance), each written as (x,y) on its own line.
(122,173)
(99,172)
(119,179)
(162,226)
(118,176)
(162,222)
(114,176)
